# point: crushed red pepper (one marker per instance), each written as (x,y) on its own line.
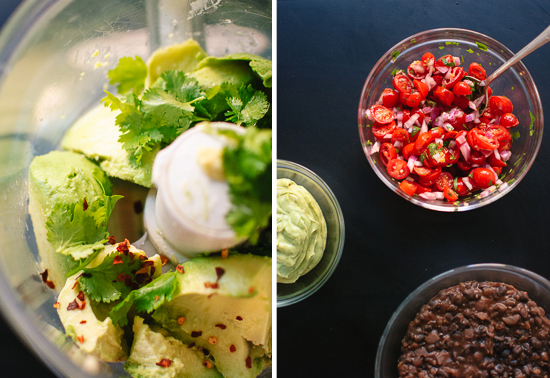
(181,320)
(163,259)
(49,283)
(85,205)
(56,305)
(249,362)
(121,277)
(72,306)
(124,247)
(83,322)
(212,340)
(81,305)
(165,362)
(232,348)
(196,333)
(250,289)
(239,318)
(81,339)
(80,295)
(112,240)
(219,272)
(222,326)
(180,269)
(117,260)
(191,345)
(211,285)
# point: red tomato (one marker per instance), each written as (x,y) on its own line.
(488,113)
(402,83)
(457,73)
(460,188)
(400,135)
(437,132)
(462,89)
(443,96)
(445,179)
(422,142)
(450,194)
(438,79)
(483,177)
(427,58)
(450,135)
(398,169)
(498,170)
(381,114)
(459,120)
(451,155)
(423,189)
(408,151)
(463,165)
(421,87)
(420,113)
(494,162)
(500,132)
(477,157)
(387,152)
(508,120)
(380,130)
(414,99)
(445,61)
(461,102)
(505,145)
(480,140)
(408,186)
(500,105)
(475,70)
(389,97)
(416,70)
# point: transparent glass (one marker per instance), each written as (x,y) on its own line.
(389,348)
(309,283)
(516,84)
(54,56)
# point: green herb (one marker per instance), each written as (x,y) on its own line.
(395,54)
(532,120)
(247,169)
(394,72)
(79,229)
(452,43)
(415,130)
(148,298)
(481,46)
(84,263)
(515,135)
(517,161)
(413,41)
(441,47)
(129,74)
(448,62)
(248,107)
(107,281)
(470,51)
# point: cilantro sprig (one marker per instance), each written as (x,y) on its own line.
(129,74)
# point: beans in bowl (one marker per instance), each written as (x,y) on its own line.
(477,330)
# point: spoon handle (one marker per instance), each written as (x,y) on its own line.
(543,38)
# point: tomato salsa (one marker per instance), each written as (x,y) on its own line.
(436,134)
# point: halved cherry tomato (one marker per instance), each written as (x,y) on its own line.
(500,105)
(423,189)
(451,155)
(483,177)
(387,152)
(422,142)
(462,89)
(498,170)
(416,70)
(400,135)
(450,135)
(481,140)
(380,130)
(398,169)
(389,97)
(508,120)
(477,158)
(461,102)
(408,186)
(420,113)
(421,87)
(414,99)
(408,151)
(381,114)
(488,113)
(463,165)
(475,70)
(505,145)
(438,79)
(457,73)
(427,58)
(437,132)
(443,96)
(500,132)
(494,162)
(402,83)
(445,179)
(450,194)
(460,188)
(445,61)
(458,121)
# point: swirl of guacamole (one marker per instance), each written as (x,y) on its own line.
(301,231)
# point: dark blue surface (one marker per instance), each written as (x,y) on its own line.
(325,51)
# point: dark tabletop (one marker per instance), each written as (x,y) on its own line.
(325,51)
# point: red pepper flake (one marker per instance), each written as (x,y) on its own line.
(75,283)
(157,298)
(131,254)
(72,306)
(211,285)
(85,205)
(144,270)
(219,272)
(50,284)
(180,269)
(81,339)
(191,345)
(181,320)
(225,253)
(128,280)
(232,348)
(249,362)
(239,318)
(81,305)
(196,333)
(163,260)
(165,362)
(207,364)
(83,322)
(112,240)
(80,295)
(124,247)
(250,289)
(117,260)
(222,326)
(142,257)
(148,263)
(56,305)
(121,277)
(44,275)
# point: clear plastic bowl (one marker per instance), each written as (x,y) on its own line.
(309,283)
(389,349)
(516,84)
(54,56)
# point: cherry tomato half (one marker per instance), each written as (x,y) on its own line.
(398,169)
(508,120)
(408,151)
(380,130)
(481,140)
(389,97)
(445,179)
(494,162)
(456,74)
(421,87)
(462,89)
(483,177)
(450,194)
(422,142)
(443,96)
(475,70)
(381,114)
(400,135)
(402,83)
(500,105)
(445,61)
(408,186)
(414,99)
(460,188)
(416,70)
(387,152)
(428,59)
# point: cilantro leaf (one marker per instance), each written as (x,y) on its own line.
(247,168)
(481,46)
(148,298)
(249,107)
(129,74)
(103,283)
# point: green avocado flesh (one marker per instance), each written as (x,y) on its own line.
(60,178)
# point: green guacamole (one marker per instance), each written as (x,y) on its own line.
(301,231)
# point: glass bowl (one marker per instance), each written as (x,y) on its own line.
(389,349)
(516,84)
(309,283)
(54,56)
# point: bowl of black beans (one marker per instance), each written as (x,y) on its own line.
(484,320)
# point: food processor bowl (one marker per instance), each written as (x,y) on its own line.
(54,57)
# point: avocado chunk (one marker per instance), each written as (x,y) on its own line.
(60,178)
(96,135)
(156,354)
(226,308)
(87,321)
(183,56)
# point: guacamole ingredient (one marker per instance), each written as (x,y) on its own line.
(301,231)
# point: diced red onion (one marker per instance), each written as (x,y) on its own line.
(434,114)
(379,102)
(388,136)
(369,115)
(418,68)
(472,105)
(439,195)
(430,82)
(438,140)
(469,82)
(478,101)
(461,139)
(505,155)
(470,117)
(486,153)
(436,156)
(418,163)
(449,74)
(465,150)
(503,186)
(427,109)
(424,127)
(447,126)
(456,60)
(452,144)
(411,162)
(499,182)
(497,155)
(375,148)
(398,144)
(442,69)
(411,121)
(466,181)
